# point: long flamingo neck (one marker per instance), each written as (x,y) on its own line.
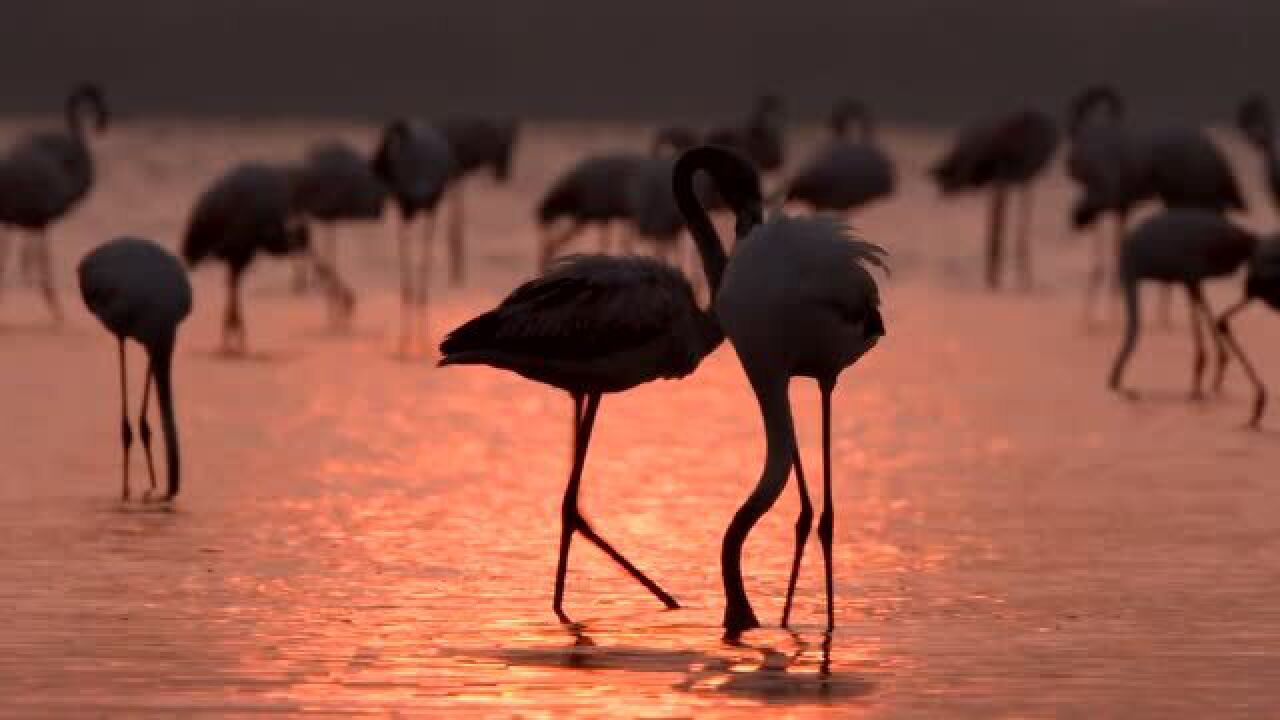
(710,248)
(161,353)
(775,409)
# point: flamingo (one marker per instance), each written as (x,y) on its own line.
(760,138)
(1119,168)
(43,177)
(1007,153)
(847,173)
(140,291)
(476,144)
(797,300)
(415,162)
(1262,283)
(596,324)
(1105,161)
(246,211)
(1179,247)
(335,183)
(592,192)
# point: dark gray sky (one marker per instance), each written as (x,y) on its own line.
(916,60)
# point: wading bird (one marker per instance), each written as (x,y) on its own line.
(246,211)
(849,172)
(1262,283)
(797,301)
(476,144)
(415,163)
(1001,156)
(595,191)
(140,291)
(1105,160)
(42,178)
(334,184)
(596,324)
(760,138)
(1179,247)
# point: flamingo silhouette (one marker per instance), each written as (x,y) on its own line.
(476,144)
(760,138)
(335,183)
(1007,153)
(244,212)
(415,163)
(597,324)
(1179,247)
(796,301)
(847,173)
(42,178)
(140,291)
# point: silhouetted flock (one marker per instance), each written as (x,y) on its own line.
(793,296)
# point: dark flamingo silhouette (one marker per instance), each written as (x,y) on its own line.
(1001,156)
(796,301)
(334,184)
(140,291)
(1179,247)
(42,178)
(593,192)
(760,138)
(415,162)
(1105,160)
(247,211)
(849,172)
(477,144)
(597,324)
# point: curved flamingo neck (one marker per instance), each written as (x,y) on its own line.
(161,355)
(710,248)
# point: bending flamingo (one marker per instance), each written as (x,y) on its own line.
(796,301)
(140,291)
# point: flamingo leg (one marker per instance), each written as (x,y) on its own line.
(1097,275)
(1260,390)
(45,260)
(424,270)
(1166,307)
(1024,237)
(1132,328)
(995,237)
(340,298)
(804,524)
(126,433)
(233,323)
(1198,361)
(827,522)
(457,249)
(144,431)
(406,285)
(1219,345)
(571,518)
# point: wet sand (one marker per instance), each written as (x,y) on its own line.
(361,535)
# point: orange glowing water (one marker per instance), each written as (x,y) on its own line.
(363,535)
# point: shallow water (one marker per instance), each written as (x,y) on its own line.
(360,534)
